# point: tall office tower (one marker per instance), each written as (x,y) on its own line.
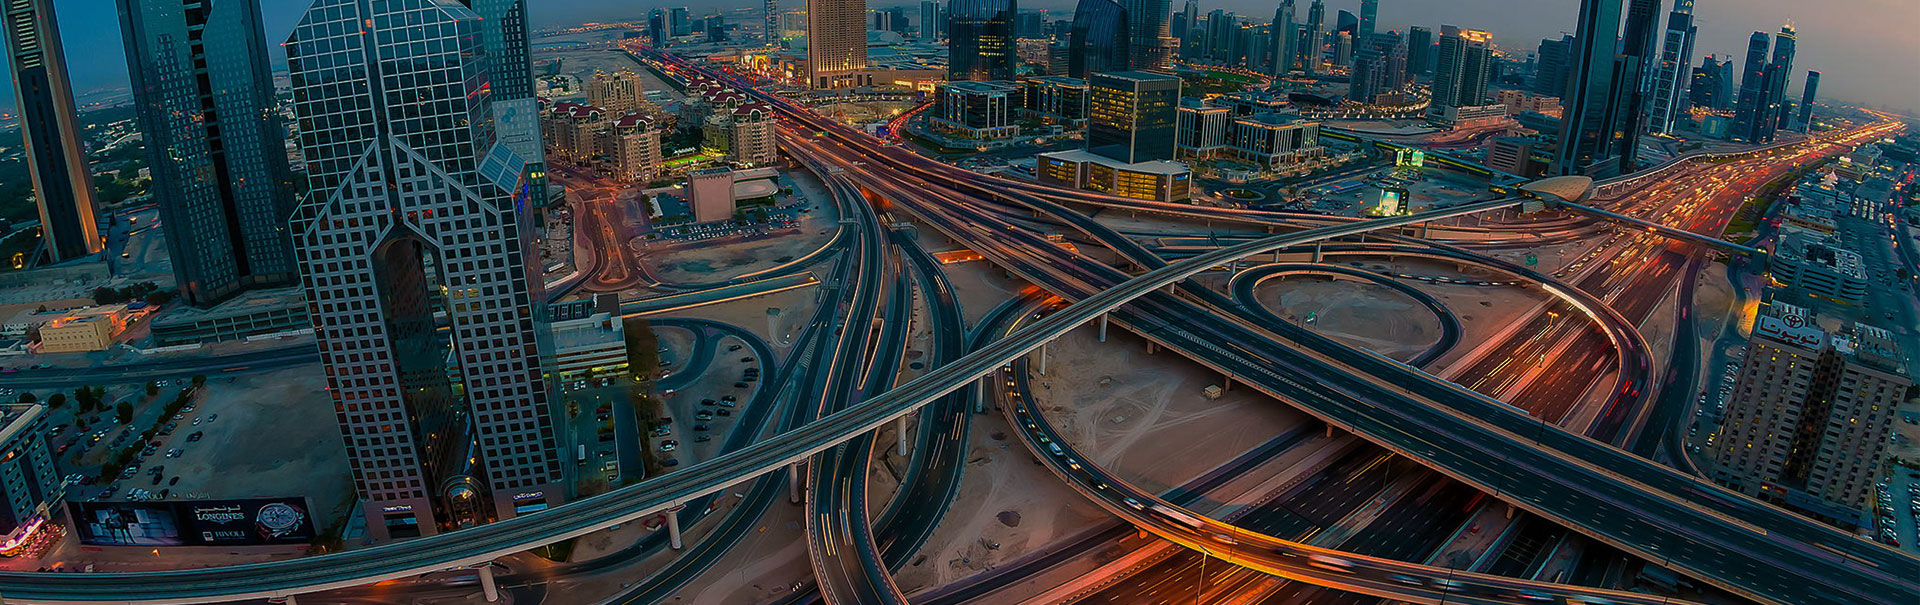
(657,28)
(414,257)
(1030,24)
(882,21)
(1369,14)
(1586,124)
(1280,41)
(981,44)
(1725,97)
(716,27)
(929,21)
(1188,31)
(836,42)
(214,143)
(1633,74)
(1097,41)
(1220,26)
(1774,88)
(1672,74)
(1131,115)
(1346,22)
(1753,87)
(1314,50)
(1462,68)
(1147,25)
(56,154)
(1807,97)
(770,17)
(1807,421)
(680,21)
(516,112)
(1419,50)
(1550,72)
(1379,67)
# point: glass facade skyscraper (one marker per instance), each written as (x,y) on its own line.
(1753,90)
(1586,124)
(1674,71)
(1097,40)
(204,98)
(1131,115)
(516,112)
(980,39)
(56,153)
(1147,28)
(414,255)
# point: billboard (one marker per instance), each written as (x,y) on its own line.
(248,522)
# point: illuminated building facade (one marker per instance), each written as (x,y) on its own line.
(56,154)
(1131,115)
(980,40)
(836,42)
(413,244)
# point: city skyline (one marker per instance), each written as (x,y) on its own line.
(1850,52)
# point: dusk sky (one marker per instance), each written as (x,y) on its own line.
(1866,49)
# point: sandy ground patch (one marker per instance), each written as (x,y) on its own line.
(1364,315)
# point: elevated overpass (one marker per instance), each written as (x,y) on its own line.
(1569,193)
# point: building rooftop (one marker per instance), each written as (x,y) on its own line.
(247,303)
(1154,167)
(1824,251)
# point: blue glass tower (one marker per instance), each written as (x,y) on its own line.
(1098,40)
(56,155)
(204,98)
(1586,126)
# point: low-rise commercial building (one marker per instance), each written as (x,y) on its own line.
(1057,100)
(1274,141)
(1203,130)
(595,345)
(1820,266)
(1157,180)
(250,314)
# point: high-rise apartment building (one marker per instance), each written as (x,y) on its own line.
(1280,41)
(1462,68)
(1807,421)
(1380,67)
(1097,40)
(980,40)
(617,93)
(204,98)
(770,21)
(752,137)
(56,151)
(1586,143)
(1807,98)
(836,42)
(414,253)
(1131,115)
(1672,73)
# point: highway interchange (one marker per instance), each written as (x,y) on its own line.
(832,397)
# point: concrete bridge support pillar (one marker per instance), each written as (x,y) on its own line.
(793,483)
(1152,348)
(980,399)
(1043,357)
(488,588)
(1511,509)
(1103,327)
(1226,383)
(290,600)
(900,431)
(673,529)
(1316,253)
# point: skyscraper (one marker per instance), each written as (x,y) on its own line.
(836,42)
(1097,40)
(1347,22)
(1550,72)
(1704,91)
(680,22)
(1672,74)
(1188,32)
(1369,14)
(1379,67)
(1753,90)
(213,142)
(516,112)
(1633,74)
(56,153)
(413,250)
(930,21)
(1280,40)
(1220,30)
(1316,45)
(657,28)
(980,45)
(1462,68)
(770,14)
(1807,98)
(1419,50)
(1586,124)
(1774,90)
(1131,115)
(1147,26)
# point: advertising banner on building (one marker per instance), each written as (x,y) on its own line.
(249,522)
